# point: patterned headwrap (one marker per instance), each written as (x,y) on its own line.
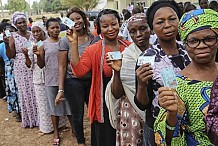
(197,20)
(16,16)
(137,17)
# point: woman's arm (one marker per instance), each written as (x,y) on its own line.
(144,74)
(40,53)
(62,68)
(27,58)
(10,48)
(168,100)
(116,85)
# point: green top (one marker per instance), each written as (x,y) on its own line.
(193,104)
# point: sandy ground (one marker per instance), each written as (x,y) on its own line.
(11,133)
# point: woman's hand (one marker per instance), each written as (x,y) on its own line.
(144,73)
(168,99)
(36,50)
(72,35)
(59,98)
(25,51)
(114,64)
(5,38)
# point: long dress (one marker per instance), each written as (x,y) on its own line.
(24,80)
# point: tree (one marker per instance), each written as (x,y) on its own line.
(36,7)
(17,5)
(82,4)
(52,5)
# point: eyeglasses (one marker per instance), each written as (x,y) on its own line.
(195,42)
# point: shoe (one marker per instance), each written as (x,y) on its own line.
(14,114)
(56,142)
(18,118)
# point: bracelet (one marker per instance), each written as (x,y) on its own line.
(170,127)
(60,91)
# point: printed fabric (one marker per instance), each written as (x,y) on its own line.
(193,103)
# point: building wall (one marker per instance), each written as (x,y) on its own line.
(123,4)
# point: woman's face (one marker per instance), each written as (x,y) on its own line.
(79,22)
(203,53)
(109,26)
(53,29)
(38,33)
(139,32)
(165,23)
(204,4)
(21,24)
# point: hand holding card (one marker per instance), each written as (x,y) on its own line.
(115,55)
(146,59)
(7,33)
(169,77)
(68,22)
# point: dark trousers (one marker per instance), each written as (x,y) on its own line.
(77,93)
(2,87)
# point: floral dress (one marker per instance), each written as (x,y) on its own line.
(24,80)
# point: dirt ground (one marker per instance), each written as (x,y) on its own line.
(11,133)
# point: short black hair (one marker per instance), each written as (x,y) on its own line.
(127,15)
(51,20)
(106,12)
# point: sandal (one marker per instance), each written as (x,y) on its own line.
(56,142)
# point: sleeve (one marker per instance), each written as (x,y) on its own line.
(64,44)
(84,65)
(212,116)
(149,91)
(160,123)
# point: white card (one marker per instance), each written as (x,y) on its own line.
(169,77)
(115,55)
(146,59)
(68,22)
(7,33)
(1,37)
(39,44)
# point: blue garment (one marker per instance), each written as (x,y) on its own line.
(3,52)
(11,89)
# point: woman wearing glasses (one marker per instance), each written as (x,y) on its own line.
(180,121)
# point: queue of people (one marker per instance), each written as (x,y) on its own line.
(159,92)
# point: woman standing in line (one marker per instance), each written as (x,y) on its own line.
(93,59)
(47,57)
(180,121)
(126,117)
(76,90)
(23,76)
(11,86)
(45,124)
(167,53)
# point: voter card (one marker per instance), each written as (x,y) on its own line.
(1,37)
(7,33)
(169,77)
(68,22)
(29,45)
(115,55)
(146,59)
(39,44)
